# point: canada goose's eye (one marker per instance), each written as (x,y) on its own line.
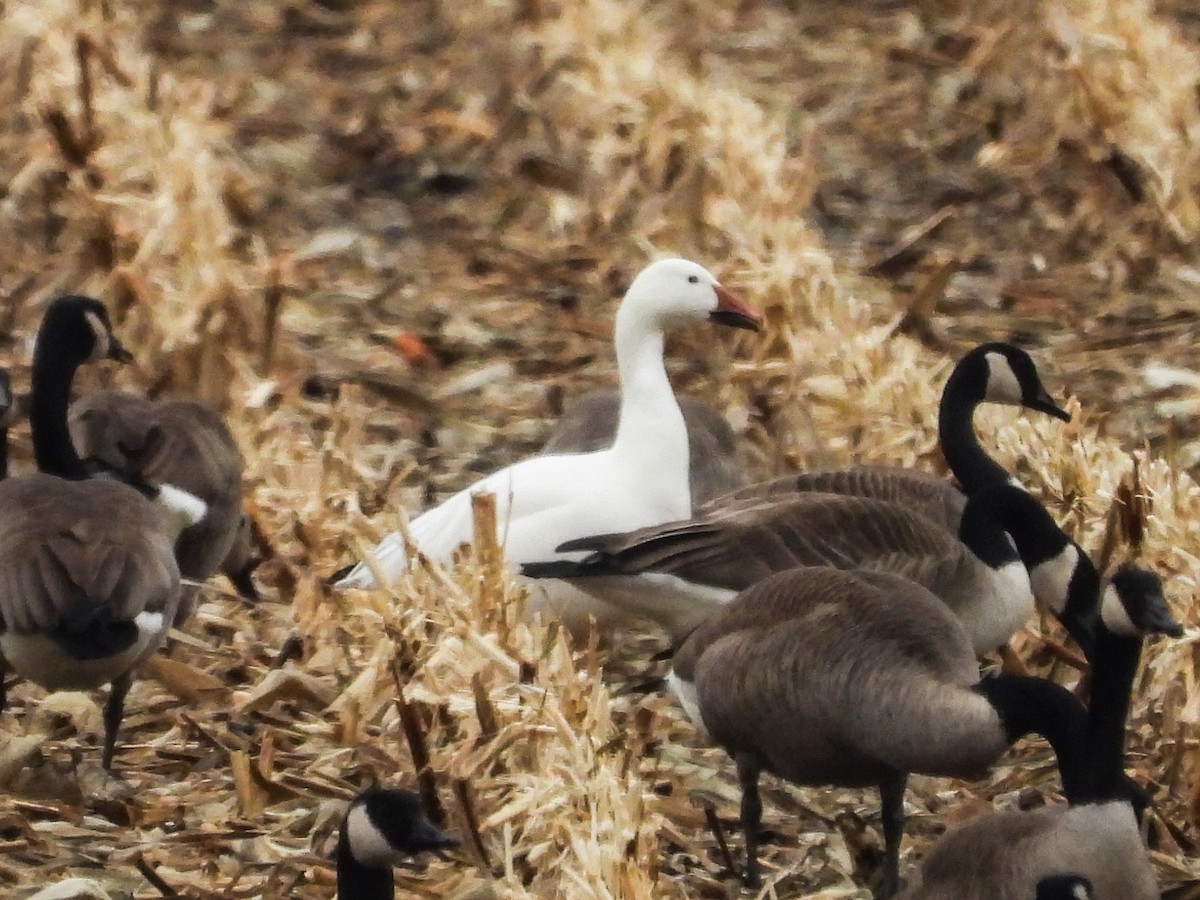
(693,279)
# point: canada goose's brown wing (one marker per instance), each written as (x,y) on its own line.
(839,611)
(935,498)
(590,423)
(177,442)
(805,668)
(735,547)
(67,546)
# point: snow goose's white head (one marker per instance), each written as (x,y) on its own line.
(674,292)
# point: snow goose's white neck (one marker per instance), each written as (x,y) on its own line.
(651,435)
(650,423)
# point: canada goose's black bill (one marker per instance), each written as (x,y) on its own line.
(1156,618)
(732,311)
(1043,402)
(118,352)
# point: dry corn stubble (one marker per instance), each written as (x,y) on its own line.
(124,178)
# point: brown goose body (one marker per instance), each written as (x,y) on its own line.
(1002,856)
(177,442)
(89,585)
(794,671)
(824,676)
(687,570)
(590,423)
(936,499)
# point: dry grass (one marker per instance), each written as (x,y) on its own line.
(383,242)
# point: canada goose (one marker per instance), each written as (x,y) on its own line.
(1064,887)
(180,443)
(679,573)
(994,372)
(382,828)
(74,330)
(641,479)
(1002,856)
(823,676)
(590,423)
(89,585)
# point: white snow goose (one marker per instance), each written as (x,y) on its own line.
(642,479)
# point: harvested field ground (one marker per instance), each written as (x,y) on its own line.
(387,239)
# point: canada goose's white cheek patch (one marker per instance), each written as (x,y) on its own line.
(102,343)
(1002,383)
(367,843)
(187,506)
(1114,616)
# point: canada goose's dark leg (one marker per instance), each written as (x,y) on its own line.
(714,823)
(748,771)
(114,711)
(891,796)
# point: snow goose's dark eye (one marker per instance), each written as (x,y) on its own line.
(693,279)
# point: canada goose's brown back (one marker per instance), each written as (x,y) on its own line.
(937,499)
(841,677)
(1002,856)
(740,544)
(176,442)
(65,545)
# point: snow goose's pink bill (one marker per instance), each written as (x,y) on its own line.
(731,310)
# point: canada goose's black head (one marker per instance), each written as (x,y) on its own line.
(1003,373)
(385,826)
(78,329)
(1133,604)
(1064,887)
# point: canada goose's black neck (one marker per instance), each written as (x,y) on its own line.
(50,395)
(1112,681)
(1030,705)
(966,457)
(359,882)
(987,525)
(1033,530)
